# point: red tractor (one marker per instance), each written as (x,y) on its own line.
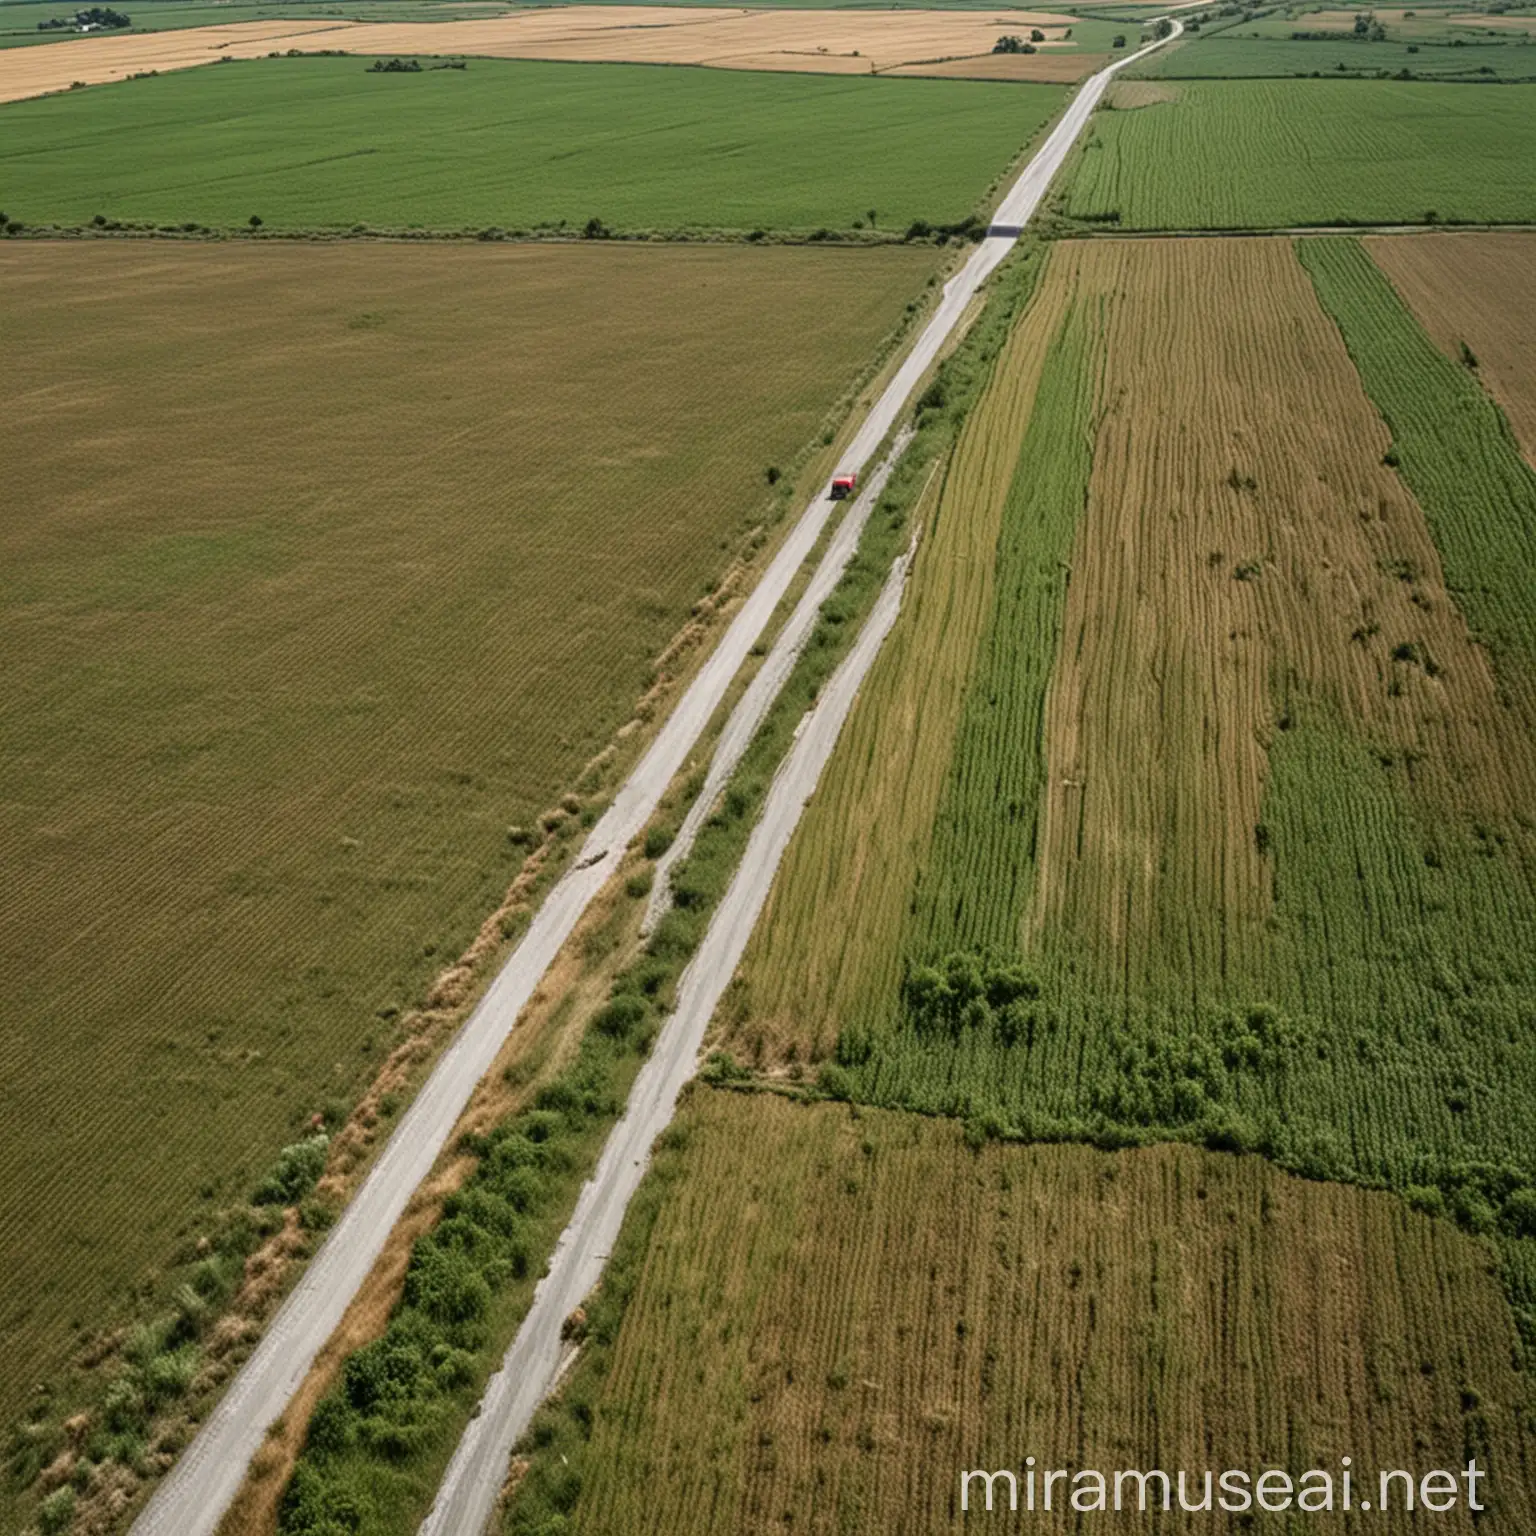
(843,485)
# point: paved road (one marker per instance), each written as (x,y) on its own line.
(472,1484)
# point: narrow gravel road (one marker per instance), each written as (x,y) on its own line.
(473,1481)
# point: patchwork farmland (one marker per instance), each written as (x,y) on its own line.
(1270,685)
(813,42)
(1205,827)
(1096,855)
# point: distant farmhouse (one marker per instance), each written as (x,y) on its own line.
(98,18)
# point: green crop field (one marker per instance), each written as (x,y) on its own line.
(322,143)
(1233,56)
(1266,154)
(333,563)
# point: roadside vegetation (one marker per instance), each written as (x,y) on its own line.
(1274,154)
(505,146)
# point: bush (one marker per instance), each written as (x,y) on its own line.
(445,1284)
(657,841)
(298,1169)
(56,1512)
(312,1507)
(618,1017)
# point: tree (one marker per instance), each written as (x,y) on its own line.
(1036,35)
(1119,41)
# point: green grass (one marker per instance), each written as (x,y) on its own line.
(977,878)
(1232,56)
(1454,448)
(321,143)
(1260,154)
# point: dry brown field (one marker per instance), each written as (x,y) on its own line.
(824,42)
(1060,67)
(839,1311)
(333,562)
(1126,95)
(1477,288)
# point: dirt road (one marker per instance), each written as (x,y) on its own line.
(474,1478)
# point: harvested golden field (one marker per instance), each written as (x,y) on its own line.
(332,564)
(835,42)
(1240,527)
(98,60)
(835,1313)
(1477,290)
(863,836)
(1060,66)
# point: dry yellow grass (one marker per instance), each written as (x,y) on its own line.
(1125,95)
(1241,527)
(826,42)
(837,1313)
(1479,289)
(857,849)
